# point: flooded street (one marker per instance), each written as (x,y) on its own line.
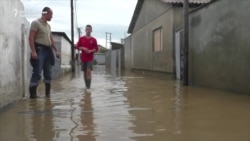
(129,107)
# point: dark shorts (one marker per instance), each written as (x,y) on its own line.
(86,65)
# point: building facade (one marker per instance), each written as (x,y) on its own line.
(150,46)
(14,52)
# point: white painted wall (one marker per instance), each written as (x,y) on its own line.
(65,51)
(14,52)
(100,58)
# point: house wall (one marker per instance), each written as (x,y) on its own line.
(100,58)
(108,59)
(122,58)
(128,53)
(178,18)
(219,46)
(63,64)
(65,53)
(14,52)
(154,14)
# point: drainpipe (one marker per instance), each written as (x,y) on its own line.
(72,37)
(186,41)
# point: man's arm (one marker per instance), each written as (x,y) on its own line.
(83,49)
(32,44)
(54,46)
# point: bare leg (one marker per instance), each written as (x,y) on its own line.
(87,76)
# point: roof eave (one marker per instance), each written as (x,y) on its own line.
(135,15)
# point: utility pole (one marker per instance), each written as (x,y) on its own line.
(108,39)
(186,41)
(72,37)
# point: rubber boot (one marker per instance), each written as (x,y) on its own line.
(33,92)
(47,89)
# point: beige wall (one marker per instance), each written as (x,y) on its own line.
(154,14)
(128,53)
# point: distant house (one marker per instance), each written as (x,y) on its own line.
(115,57)
(120,57)
(100,55)
(155,29)
(63,43)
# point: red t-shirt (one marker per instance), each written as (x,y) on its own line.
(90,43)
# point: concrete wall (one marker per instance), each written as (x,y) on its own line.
(113,59)
(14,52)
(100,58)
(122,58)
(127,53)
(220,46)
(65,53)
(154,14)
(178,18)
(108,59)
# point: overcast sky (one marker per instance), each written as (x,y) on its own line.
(113,16)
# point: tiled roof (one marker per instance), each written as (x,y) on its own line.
(190,1)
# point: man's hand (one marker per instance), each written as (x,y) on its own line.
(33,55)
(85,49)
(58,54)
(92,51)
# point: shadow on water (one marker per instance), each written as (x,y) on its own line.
(126,106)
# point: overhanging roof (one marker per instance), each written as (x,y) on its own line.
(115,46)
(135,15)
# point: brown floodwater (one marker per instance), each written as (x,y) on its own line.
(127,107)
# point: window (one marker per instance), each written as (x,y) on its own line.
(157,40)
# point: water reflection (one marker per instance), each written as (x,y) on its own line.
(177,107)
(111,110)
(41,119)
(88,126)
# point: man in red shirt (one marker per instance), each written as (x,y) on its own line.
(88,45)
